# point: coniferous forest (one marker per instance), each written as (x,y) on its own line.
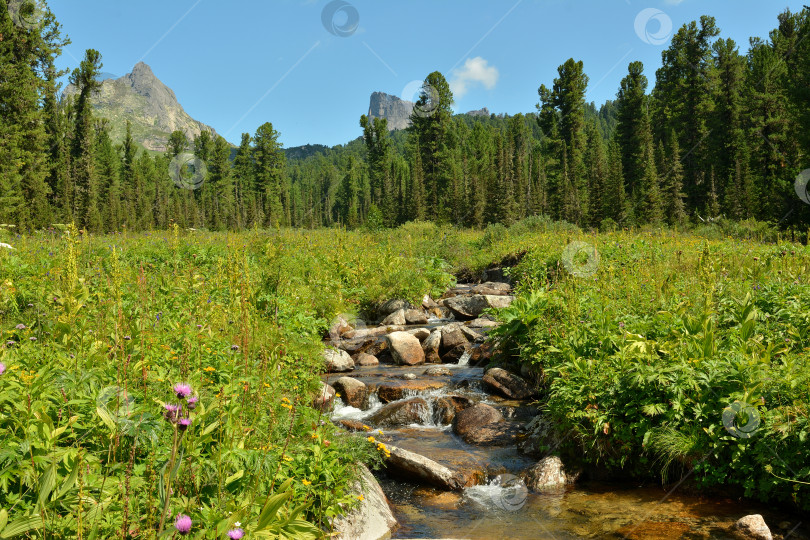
(721,132)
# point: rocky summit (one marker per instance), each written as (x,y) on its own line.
(397,111)
(150,106)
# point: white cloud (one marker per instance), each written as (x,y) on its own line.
(475,70)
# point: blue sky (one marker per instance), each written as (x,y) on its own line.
(235,65)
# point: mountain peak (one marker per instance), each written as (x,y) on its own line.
(397,111)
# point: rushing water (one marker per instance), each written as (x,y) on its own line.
(501,508)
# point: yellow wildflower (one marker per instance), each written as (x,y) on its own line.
(372,439)
(306,482)
(209,369)
(360,498)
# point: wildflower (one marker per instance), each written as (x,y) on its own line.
(182,390)
(10,343)
(360,498)
(209,369)
(234,347)
(236,534)
(372,439)
(183,524)
(172,412)
(32,338)
(287,458)
(20,326)
(2,368)
(306,482)
(192,402)
(199,326)
(127,338)
(183,424)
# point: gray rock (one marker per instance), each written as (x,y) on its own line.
(352,391)
(452,337)
(392,305)
(752,527)
(498,302)
(419,333)
(466,307)
(507,384)
(471,334)
(437,371)
(433,341)
(473,418)
(448,406)
(548,475)
(397,111)
(482,323)
(396,318)
(364,359)
(540,437)
(401,413)
(405,349)
(373,519)
(415,316)
(416,467)
(428,302)
(324,398)
(337,361)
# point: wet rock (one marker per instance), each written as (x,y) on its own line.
(393,390)
(337,361)
(420,333)
(414,316)
(364,359)
(353,391)
(446,407)
(454,355)
(494,434)
(324,398)
(371,520)
(396,318)
(491,288)
(452,337)
(466,307)
(407,376)
(548,475)
(752,527)
(391,306)
(401,413)
(405,349)
(352,425)
(506,384)
(428,302)
(471,334)
(431,346)
(415,467)
(437,371)
(482,323)
(473,418)
(376,348)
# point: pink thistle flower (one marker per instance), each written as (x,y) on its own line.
(183,424)
(183,524)
(182,390)
(172,413)
(236,534)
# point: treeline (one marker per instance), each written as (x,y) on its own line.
(722,133)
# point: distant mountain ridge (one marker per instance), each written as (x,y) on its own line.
(150,106)
(398,111)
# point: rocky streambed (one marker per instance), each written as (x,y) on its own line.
(471,456)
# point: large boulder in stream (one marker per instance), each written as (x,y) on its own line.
(396,318)
(389,391)
(452,337)
(473,418)
(337,361)
(548,474)
(431,346)
(466,307)
(414,316)
(373,519)
(415,467)
(751,527)
(507,384)
(354,392)
(401,413)
(448,406)
(405,349)
(364,359)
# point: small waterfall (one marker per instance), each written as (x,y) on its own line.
(465,359)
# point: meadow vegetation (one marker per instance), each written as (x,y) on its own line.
(638,360)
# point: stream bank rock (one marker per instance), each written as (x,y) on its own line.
(353,391)
(417,467)
(540,436)
(752,527)
(397,318)
(401,413)
(337,361)
(414,316)
(405,349)
(393,390)
(548,475)
(507,384)
(373,519)
(364,359)
(483,425)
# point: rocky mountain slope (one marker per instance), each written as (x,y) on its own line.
(150,106)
